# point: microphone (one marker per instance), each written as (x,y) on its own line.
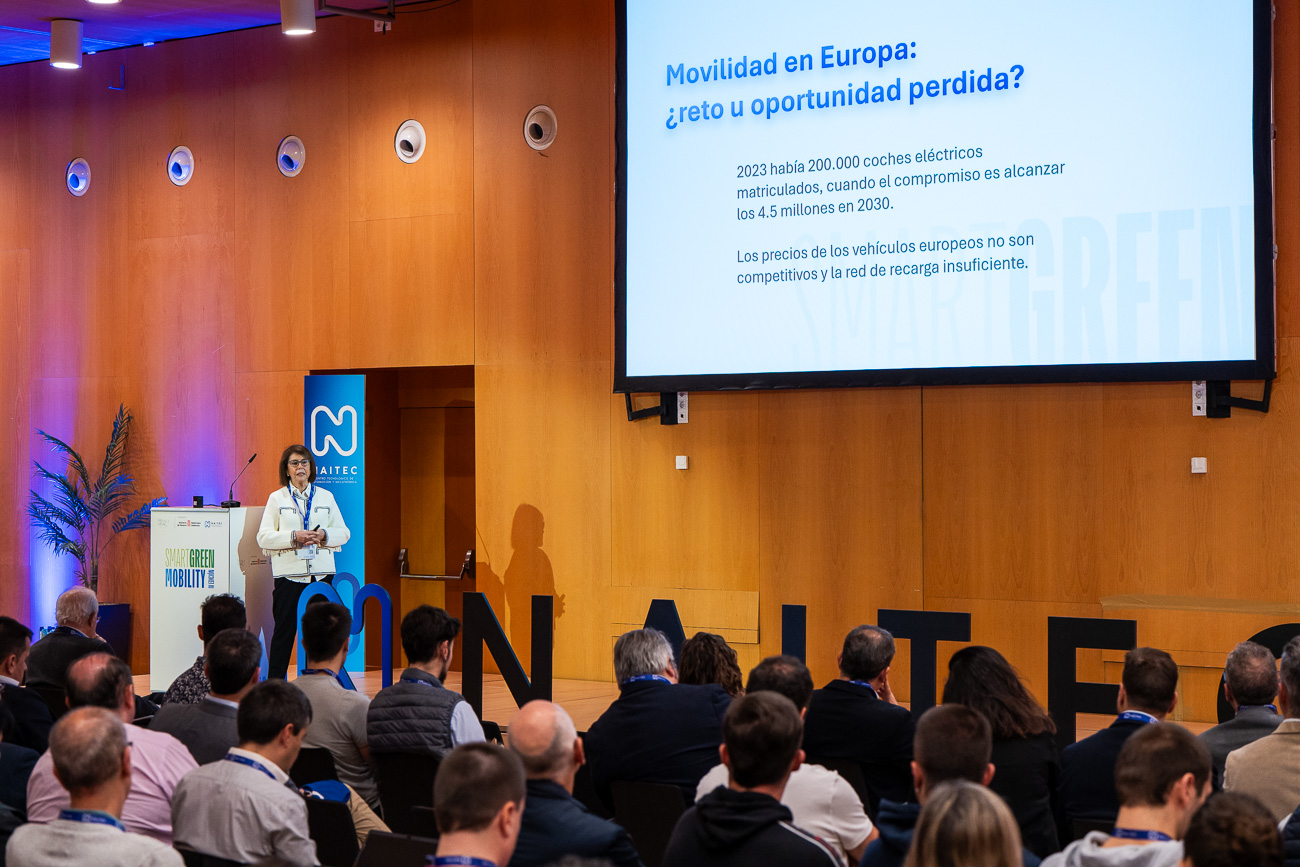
(231,502)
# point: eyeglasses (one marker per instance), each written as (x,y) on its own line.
(300,463)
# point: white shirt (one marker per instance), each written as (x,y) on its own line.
(283,515)
(9,681)
(820,800)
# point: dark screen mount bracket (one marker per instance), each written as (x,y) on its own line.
(666,411)
(1219,400)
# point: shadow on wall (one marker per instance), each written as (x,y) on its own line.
(528,574)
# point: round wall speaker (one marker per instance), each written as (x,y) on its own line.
(409,141)
(78,177)
(290,156)
(180,166)
(539,127)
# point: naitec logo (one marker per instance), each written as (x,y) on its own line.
(192,568)
(320,447)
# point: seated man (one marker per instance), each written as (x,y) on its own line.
(31,715)
(76,613)
(1250,684)
(92,759)
(479,802)
(1147,694)
(1269,768)
(218,613)
(820,800)
(657,730)
(1162,777)
(208,729)
(745,823)
(856,717)
(1230,830)
(244,808)
(556,824)
(158,760)
(418,714)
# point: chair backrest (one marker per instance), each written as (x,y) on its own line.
(851,771)
(199,859)
(396,850)
(424,823)
(56,699)
(584,789)
(329,823)
(1080,827)
(649,812)
(405,780)
(313,764)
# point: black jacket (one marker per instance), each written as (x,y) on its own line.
(1087,788)
(1028,770)
(727,828)
(1291,839)
(657,732)
(16,765)
(847,721)
(555,824)
(50,657)
(896,823)
(32,716)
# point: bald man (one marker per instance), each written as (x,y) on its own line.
(555,824)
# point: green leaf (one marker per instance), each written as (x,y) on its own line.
(139,518)
(74,461)
(115,453)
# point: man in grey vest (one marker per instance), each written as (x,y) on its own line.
(1251,685)
(418,714)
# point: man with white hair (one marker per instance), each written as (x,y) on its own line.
(92,759)
(556,824)
(76,612)
(657,730)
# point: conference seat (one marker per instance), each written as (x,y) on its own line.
(424,822)
(313,765)
(1080,828)
(55,698)
(584,789)
(396,850)
(405,780)
(200,859)
(329,824)
(648,812)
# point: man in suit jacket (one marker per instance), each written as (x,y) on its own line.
(76,612)
(1148,692)
(657,730)
(1269,768)
(856,717)
(1250,684)
(208,729)
(31,715)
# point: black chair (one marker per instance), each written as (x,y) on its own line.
(329,824)
(1080,827)
(851,771)
(492,731)
(396,850)
(405,780)
(199,859)
(142,721)
(56,699)
(313,765)
(424,823)
(585,791)
(649,812)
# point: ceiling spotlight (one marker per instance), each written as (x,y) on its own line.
(103,2)
(65,43)
(409,141)
(298,17)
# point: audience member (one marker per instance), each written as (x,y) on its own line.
(1024,746)
(208,729)
(92,760)
(953,742)
(1231,830)
(218,613)
(158,760)
(556,824)
(707,658)
(1250,685)
(31,715)
(964,824)
(1269,768)
(1162,776)
(16,766)
(1147,694)
(76,613)
(857,718)
(657,730)
(745,823)
(479,803)
(418,714)
(244,808)
(820,800)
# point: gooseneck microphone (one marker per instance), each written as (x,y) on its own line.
(230,502)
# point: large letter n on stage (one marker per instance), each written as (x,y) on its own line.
(482,627)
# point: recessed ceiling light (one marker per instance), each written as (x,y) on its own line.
(103,2)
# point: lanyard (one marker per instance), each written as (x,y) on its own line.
(331,673)
(867,685)
(1242,707)
(245,760)
(413,680)
(1133,834)
(638,678)
(311,495)
(1138,716)
(93,817)
(467,861)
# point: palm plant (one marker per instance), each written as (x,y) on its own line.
(72,520)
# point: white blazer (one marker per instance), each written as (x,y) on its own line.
(281,518)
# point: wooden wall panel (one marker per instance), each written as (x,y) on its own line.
(1286,161)
(15,471)
(15,173)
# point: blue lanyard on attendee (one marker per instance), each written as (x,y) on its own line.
(1242,707)
(1134,834)
(311,495)
(331,672)
(414,680)
(245,760)
(638,678)
(867,685)
(1138,716)
(93,817)
(467,861)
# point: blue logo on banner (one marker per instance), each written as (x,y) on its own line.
(334,428)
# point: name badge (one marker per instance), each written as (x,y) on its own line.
(307,552)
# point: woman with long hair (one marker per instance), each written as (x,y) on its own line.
(964,825)
(707,658)
(1024,748)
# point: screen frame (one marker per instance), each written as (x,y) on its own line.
(1265,282)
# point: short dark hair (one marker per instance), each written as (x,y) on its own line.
(1150,679)
(868,650)
(325,630)
(1251,673)
(297,449)
(1153,759)
(103,688)
(953,742)
(222,611)
(1231,829)
(13,637)
(233,656)
(1291,669)
(762,731)
(268,708)
(786,675)
(423,629)
(473,783)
